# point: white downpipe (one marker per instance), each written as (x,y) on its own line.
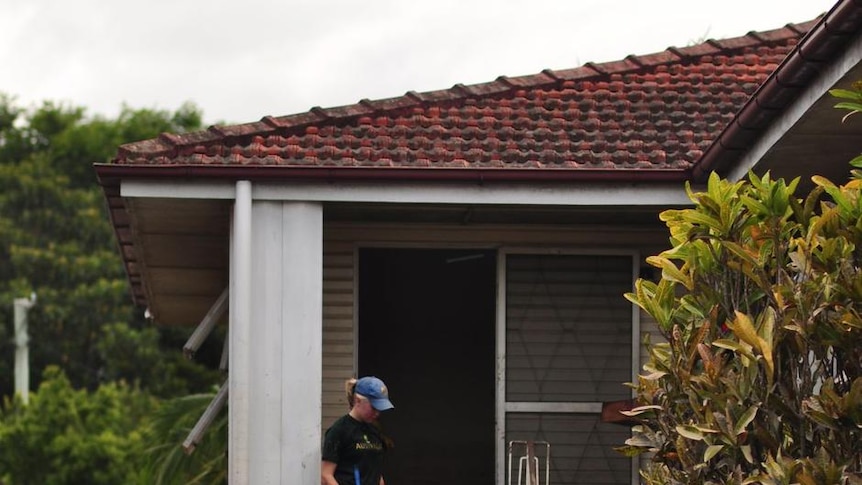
(239,335)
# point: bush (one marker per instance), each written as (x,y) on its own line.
(760,380)
(68,436)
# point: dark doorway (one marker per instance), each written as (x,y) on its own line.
(426,327)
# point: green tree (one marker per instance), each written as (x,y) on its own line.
(66,436)
(55,240)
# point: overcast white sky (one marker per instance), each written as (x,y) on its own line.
(244,59)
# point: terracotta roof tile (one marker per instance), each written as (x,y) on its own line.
(652,112)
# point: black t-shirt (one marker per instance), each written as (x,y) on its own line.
(350,443)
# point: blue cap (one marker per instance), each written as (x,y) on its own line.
(375,391)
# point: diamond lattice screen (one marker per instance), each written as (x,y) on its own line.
(568,328)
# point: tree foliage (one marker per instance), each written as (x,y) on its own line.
(99,419)
(760,379)
(56,241)
(165,460)
(69,436)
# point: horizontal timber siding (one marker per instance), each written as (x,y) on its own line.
(338,335)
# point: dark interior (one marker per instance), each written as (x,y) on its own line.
(426,327)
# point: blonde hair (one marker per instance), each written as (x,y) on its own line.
(350,389)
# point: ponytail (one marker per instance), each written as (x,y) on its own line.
(350,389)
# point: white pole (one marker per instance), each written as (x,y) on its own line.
(22,350)
(239,334)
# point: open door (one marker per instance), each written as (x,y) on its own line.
(426,327)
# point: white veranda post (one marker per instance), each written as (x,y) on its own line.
(275,340)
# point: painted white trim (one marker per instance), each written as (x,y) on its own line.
(500,372)
(285,342)
(177,189)
(301,308)
(570,251)
(791,115)
(554,407)
(240,323)
(593,194)
(266,378)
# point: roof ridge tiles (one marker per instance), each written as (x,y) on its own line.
(420,98)
(320,112)
(776,35)
(271,121)
(253,128)
(439,95)
(551,74)
(346,112)
(376,106)
(217,130)
(653,59)
(714,43)
(761,38)
(368,104)
(696,50)
(802,28)
(579,73)
(506,80)
(618,66)
(153,146)
(491,88)
(733,43)
(537,80)
(634,60)
(296,119)
(595,67)
(461,90)
(198,137)
(171,138)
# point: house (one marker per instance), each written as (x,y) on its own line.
(470,246)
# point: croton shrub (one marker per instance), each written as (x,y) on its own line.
(759,301)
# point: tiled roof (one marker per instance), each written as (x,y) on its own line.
(656,112)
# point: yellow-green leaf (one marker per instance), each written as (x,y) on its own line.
(640,410)
(744,420)
(744,329)
(741,252)
(702,219)
(738,347)
(822,181)
(689,432)
(746,452)
(711,451)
